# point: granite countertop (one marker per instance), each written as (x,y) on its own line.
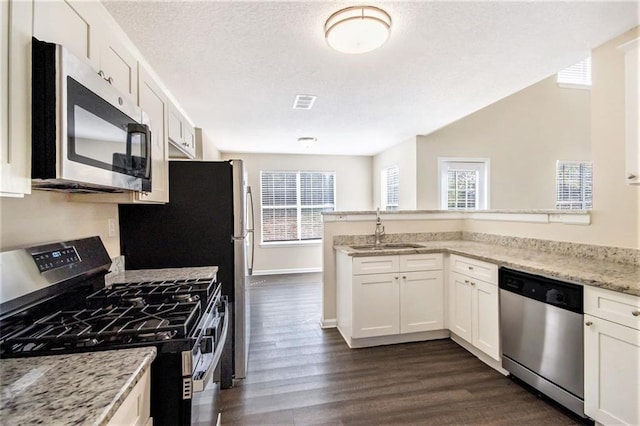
(77,389)
(161,274)
(624,278)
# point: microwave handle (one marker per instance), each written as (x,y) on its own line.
(147,152)
(133,128)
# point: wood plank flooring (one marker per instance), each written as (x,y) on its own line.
(300,374)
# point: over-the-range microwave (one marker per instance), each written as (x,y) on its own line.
(86,136)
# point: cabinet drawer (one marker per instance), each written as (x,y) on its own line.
(616,307)
(421,262)
(473,268)
(375,265)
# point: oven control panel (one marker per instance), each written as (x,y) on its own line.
(53,259)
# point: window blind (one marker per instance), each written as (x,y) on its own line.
(574,185)
(390,188)
(462,189)
(292,204)
(577,74)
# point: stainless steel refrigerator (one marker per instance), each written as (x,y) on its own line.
(207,222)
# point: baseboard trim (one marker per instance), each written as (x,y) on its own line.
(496,365)
(286,271)
(367,342)
(328,323)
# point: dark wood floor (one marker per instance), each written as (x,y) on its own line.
(300,374)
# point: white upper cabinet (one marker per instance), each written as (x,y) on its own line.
(153,101)
(15,92)
(182,139)
(632,110)
(81,27)
(71,24)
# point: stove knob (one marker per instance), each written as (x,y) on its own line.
(206,345)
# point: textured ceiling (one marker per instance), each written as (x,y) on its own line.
(235,67)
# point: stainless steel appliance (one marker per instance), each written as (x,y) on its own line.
(542,335)
(86,137)
(207,222)
(54,301)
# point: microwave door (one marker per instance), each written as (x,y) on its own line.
(138,150)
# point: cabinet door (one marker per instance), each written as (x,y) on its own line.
(611,372)
(632,110)
(15,98)
(175,126)
(421,301)
(119,65)
(71,24)
(376,305)
(190,139)
(154,104)
(460,312)
(485,320)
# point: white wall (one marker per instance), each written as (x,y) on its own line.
(523,135)
(616,205)
(353,192)
(44,217)
(209,152)
(402,155)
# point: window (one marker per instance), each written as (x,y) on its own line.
(574,185)
(292,203)
(463,183)
(576,76)
(389,188)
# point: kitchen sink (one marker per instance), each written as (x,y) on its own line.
(386,246)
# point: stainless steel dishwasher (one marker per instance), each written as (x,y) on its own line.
(542,335)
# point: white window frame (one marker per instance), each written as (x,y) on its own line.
(384,188)
(481,165)
(298,208)
(577,76)
(586,204)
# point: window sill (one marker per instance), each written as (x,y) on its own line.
(291,244)
(574,86)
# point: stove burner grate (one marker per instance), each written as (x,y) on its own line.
(107,326)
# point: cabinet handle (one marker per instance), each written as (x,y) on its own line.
(466,281)
(101,73)
(395,278)
(110,80)
(588,323)
(472,283)
(404,277)
(631,176)
(635,313)
(471,268)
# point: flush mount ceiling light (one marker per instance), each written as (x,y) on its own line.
(357,29)
(307,142)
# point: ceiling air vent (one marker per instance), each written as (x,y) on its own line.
(303,101)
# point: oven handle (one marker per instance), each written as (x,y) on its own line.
(200,385)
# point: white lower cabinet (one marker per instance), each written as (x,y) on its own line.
(136,408)
(473,304)
(612,357)
(401,297)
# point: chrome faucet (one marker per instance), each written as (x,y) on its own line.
(379,228)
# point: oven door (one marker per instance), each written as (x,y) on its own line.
(205,400)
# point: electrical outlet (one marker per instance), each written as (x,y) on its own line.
(112,228)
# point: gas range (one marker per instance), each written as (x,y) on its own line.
(54,301)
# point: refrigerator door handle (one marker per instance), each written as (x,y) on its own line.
(251,230)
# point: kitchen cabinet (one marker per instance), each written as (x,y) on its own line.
(182,139)
(632,110)
(611,357)
(473,303)
(389,295)
(15,92)
(135,410)
(81,27)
